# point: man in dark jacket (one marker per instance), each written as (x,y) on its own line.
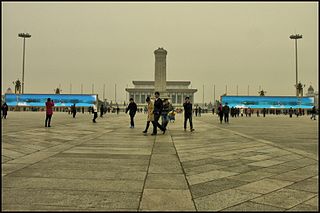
(4,109)
(158,105)
(187,105)
(226,110)
(132,107)
(101,110)
(74,110)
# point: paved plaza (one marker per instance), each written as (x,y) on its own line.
(251,164)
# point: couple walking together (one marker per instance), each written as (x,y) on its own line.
(155,110)
(159,108)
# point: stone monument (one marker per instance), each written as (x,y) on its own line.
(160,79)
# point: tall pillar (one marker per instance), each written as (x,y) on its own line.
(160,71)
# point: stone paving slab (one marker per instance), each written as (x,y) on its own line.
(74,184)
(241,168)
(223,199)
(201,169)
(295,175)
(87,160)
(309,185)
(79,174)
(252,176)
(164,163)
(166,181)
(302,208)
(166,199)
(264,186)
(208,176)
(101,156)
(33,157)
(210,187)
(252,206)
(278,169)
(285,198)
(77,165)
(313,201)
(266,163)
(90,166)
(69,199)
(8,168)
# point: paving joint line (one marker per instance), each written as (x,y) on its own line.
(145,179)
(184,173)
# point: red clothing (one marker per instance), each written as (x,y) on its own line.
(49,106)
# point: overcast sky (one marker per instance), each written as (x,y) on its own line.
(208,43)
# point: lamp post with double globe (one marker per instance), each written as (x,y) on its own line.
(296,37)
(24,36)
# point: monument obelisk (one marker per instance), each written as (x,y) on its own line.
(160,79)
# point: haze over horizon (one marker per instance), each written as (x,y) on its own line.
(208,43)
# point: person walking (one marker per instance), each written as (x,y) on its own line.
(290,112)
(196,110)
(220,112)
(74,110)
(313,113)
(167,107)
(132,107)
(118,110)
(199,111)
(95,112)
(150,116)
(4,109)
(101,110)
(187,105)
(49,112)
(264,112)
(158,106)
(226,110)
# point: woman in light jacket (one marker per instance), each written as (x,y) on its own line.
(150,117)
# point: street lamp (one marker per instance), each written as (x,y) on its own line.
(296,37)
(24,36)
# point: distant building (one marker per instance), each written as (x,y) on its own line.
(9,91)
(175,91)
(312,93)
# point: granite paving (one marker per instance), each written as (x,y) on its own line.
(250,164)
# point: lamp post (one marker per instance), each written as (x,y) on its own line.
(296,37)
(24,36)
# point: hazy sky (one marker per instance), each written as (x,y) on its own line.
(112,43)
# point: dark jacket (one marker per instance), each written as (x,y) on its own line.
(4,108)
(132,107)
(158,106)
(187,108)
(225,109)
(166,109)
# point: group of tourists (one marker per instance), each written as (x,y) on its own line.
(49,112)
(157,109)
(223,112)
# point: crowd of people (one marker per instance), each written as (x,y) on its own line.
(163,109)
